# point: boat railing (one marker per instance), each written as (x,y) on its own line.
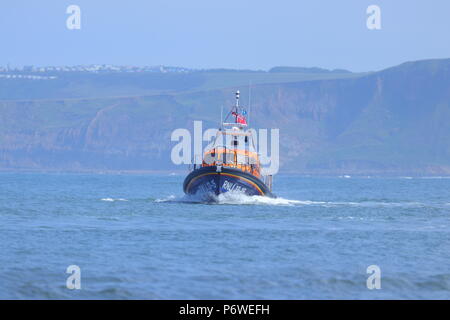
(196,162)
(268,180)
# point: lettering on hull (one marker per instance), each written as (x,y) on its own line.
(234,187)
(207,187)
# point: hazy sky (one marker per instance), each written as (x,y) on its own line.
(256,34)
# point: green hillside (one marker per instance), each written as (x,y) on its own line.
(70,85)
(395,121)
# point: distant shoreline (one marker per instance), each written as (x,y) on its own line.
(347,175)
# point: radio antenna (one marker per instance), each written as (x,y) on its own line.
(221,117)
(249,100)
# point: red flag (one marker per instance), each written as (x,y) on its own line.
(239,119)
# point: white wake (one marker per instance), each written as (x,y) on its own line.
(230,198)
(112,199)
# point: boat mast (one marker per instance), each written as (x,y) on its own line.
(221,117)
(234,112)
(249,106)
(237,106)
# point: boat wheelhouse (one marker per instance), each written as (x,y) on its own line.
(231,163)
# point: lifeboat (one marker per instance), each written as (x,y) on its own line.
(232,162)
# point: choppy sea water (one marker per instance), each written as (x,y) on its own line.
(138,237)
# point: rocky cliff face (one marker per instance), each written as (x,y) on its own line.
(396,121)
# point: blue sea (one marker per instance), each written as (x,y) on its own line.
(138,237)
